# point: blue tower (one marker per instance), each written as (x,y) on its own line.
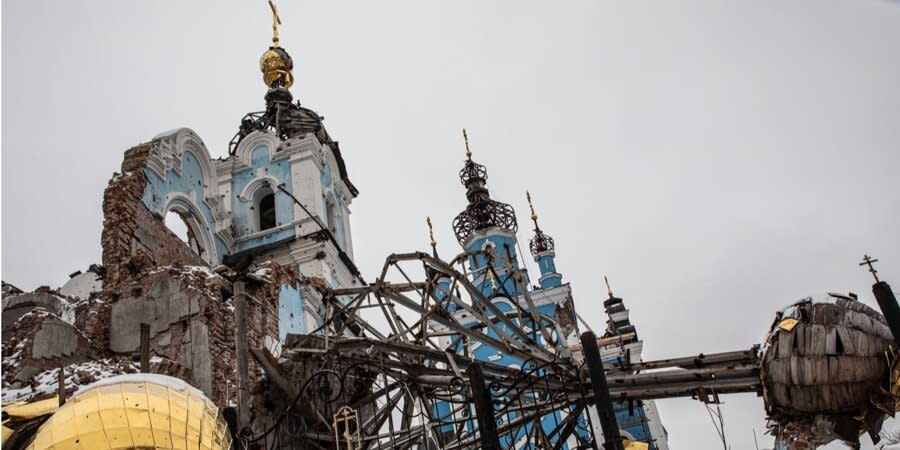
(543,251)
(282,194)
(638,420)
(486,230)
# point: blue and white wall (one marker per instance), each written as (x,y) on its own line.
(220,201)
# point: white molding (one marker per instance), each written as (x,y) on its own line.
(489,232)
(181,203)
(259,234)
(255,184)
(167,153)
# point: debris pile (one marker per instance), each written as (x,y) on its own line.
(825,372)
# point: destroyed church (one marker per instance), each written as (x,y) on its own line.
(256,330)
(268,245)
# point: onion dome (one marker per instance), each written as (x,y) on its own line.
(276,66)
(482,212)
(541,242)
(135,411)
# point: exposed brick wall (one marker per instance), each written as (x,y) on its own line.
(213,294)
(133,237)
(19,358)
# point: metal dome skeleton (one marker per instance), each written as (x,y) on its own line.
(482,211)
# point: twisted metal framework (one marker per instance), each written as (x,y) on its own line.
(472,171)
(484,214)
(395,349)
(287,119)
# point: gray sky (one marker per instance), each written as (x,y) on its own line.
(717,160)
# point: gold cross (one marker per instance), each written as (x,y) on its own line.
(276,20)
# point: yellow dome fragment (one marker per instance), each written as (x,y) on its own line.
(135,411)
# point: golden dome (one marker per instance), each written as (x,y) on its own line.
(135,411)
(276,66)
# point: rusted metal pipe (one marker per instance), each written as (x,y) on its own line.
(484,408)
(612,438)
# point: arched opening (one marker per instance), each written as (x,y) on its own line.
(180,226)
(265,209)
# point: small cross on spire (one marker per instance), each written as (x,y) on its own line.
(276,20)
(466,139)
(431,232)
(868,261)
(531,206)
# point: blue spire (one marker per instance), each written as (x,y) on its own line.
(543,251)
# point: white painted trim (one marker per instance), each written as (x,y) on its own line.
(250,189)
(176,201)
(167,153)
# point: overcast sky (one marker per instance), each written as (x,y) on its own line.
(717,160)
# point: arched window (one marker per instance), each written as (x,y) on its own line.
(182,225)
(265,209)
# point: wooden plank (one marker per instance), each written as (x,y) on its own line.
(847,341)
(784,342)
(818,340)
(831,338)
(795,370)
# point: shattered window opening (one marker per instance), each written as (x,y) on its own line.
(180,226)
(266,210)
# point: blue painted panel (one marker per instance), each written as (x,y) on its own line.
(325,177)
(547,264)
(636,425)
(290,312)
(265,239)
(243,216)
(188,182)
(477,265)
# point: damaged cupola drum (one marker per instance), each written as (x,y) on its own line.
(826,366)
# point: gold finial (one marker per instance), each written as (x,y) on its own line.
(275,64)
(608,289)
(431,233)
(531,206)
(276,20)
(466,138)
